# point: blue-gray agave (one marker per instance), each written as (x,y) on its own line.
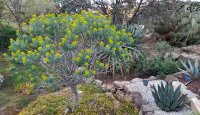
(167,98)
(191,69)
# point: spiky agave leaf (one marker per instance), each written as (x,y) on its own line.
(179,102)
(196,68)
(176,93)
(155,94)
(167,98)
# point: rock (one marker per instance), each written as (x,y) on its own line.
(127,98)
(136,80)
(107,87)
(1,79)
(117,104)
(149,108)
(149,113)
(141,112)
(120,84)
(184,111)
(189,94)
(142,97)
(175,84)
(151,78)
(134,95)
(175,55)
(192,49)
(89,80)
(199,91)
(110,95)
(189,56)
(171,78)
(195,105)
(98,82)
(184,91)
(119,95)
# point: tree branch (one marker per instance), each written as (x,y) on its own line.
(135,13)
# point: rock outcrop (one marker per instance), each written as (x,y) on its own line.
(136,92)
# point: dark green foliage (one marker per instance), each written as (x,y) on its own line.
(1,8)
(182,27)
(74,6)
(6,32)
(167,98)
(158,66)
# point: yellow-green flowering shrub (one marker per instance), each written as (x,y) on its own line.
(72,46)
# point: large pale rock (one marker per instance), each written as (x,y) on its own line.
(144,90)
(185,111)
(120,84)
(175,84)
(89,80)
(151,78)
(171,78)
(145,101)
(149,107)
(107,87)
(141,95)
(98,82)
(184,90)
(195,105)
(136,80)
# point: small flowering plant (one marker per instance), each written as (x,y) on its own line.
(72,46)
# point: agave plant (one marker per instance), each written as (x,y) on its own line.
(167,98)
(137,31)
(191,69)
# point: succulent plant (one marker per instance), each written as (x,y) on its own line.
(192,69)
(167,98)
(136,30)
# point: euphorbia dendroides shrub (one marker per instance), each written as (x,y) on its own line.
(73,47)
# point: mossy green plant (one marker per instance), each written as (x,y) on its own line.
(92,102)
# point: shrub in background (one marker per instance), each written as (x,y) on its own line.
(6,32)
(161,64)
(73,47)
(182,28)
(158,66)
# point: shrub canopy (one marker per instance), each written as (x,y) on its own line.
(71,46)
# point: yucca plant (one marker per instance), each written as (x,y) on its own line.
(167,98)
